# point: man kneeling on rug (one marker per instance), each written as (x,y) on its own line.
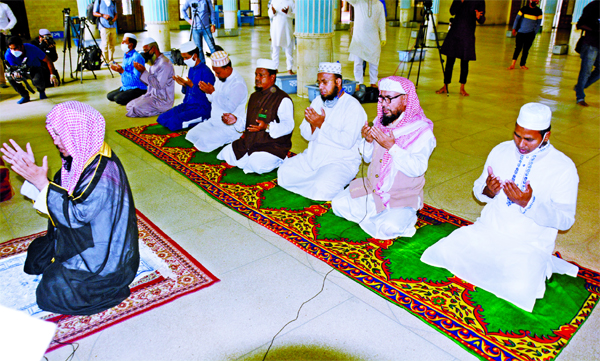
(398,146)
(90,254)
(531,192)
(269,125)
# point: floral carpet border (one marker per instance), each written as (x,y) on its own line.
(152,291)
(490,347)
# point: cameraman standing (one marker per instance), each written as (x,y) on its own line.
(7,22)
(19,53)
(46,43)
(200,18)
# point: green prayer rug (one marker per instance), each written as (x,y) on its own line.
(480,322)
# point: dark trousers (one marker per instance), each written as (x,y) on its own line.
(125,96)
(464,70)
(523,41)
(38,78)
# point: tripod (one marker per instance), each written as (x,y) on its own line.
(68,26)
(82,51)
(420,43)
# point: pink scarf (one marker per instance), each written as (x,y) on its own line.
(412,113)
(81,131)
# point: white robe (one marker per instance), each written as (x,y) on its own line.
(369,30)
(508,250)
(332,158)
(392,222)
(229,96)
(282,26)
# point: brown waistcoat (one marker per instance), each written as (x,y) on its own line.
(405,191)
(263,105)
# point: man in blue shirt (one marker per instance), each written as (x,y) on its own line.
(195,107)
(201,22)
(526,25)
(106,11)
(132,87)
(33,57)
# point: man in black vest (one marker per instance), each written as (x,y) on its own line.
(269,125)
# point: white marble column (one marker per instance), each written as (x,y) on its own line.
(156,14)
(314,32)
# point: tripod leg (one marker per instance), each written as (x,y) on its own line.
(101,54)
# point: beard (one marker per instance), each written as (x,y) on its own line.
(331,96)
(258,88)
(67,161)
(387,120)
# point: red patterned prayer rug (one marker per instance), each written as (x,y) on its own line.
(486,326)
(182,275)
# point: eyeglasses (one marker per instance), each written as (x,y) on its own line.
(388,100)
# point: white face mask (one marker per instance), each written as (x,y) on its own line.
(16,53)
(190,62)
(125,47)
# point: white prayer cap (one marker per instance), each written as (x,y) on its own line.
(388,84)
(148,41)
(332,68)
(44,32)
(219,58)
(535,116)
(187,47)
(266,64)
(129,36)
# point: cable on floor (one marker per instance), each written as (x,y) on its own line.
(297,314)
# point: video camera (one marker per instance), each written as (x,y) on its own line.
(195,5)
(20,74)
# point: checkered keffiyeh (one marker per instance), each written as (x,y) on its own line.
(81,131)
(412,113)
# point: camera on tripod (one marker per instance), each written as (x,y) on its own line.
(195,5)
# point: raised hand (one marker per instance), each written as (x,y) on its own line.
(493,184)
(516,195)
(16,152)
(257,128)
(228,118)
(366,133)
(208,88)
(386,141)
(313,118)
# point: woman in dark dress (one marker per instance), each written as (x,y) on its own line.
(460,41)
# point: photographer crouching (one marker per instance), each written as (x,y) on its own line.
(25,61)
(46,43)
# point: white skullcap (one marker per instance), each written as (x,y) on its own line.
(388,84)
(44,32)
(187,47)
(332,68)
(148,41)
(535,116)
(129,36)
(266,64)
(219,58)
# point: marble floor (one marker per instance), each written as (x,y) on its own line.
(265,279)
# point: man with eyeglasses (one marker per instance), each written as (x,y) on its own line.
(398,146)
(332,125)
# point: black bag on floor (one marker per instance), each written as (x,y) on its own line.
(367,94)
(91,58)
(176,57)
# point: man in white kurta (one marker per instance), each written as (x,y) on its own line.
(368,36)
(398,146)
(531,192)
(332,126)
(228,114)
(281,13)
(267,138)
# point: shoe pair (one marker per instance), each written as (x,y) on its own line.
(25,100)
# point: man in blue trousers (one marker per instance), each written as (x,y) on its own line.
(195,107)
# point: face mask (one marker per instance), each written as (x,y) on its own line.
(125,48)
(16,53)
(190,62)
(150,58)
